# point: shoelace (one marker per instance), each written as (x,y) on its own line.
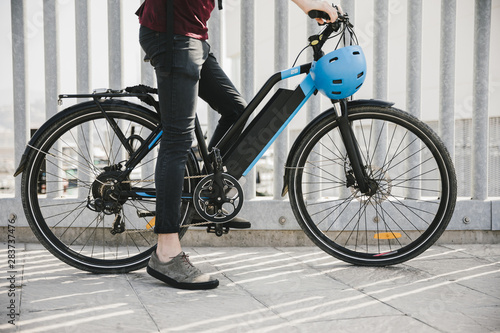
(185,258)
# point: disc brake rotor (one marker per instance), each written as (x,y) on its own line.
(384,186)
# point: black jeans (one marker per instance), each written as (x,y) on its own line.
(194,72)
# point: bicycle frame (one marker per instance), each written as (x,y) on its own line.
(241,149)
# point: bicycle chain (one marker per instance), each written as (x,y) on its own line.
(189,177)
(182,226)
(152,180)
(195,224)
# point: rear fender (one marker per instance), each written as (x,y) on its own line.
(64,113)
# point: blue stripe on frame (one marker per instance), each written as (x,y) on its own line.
(155,140)
(144,194)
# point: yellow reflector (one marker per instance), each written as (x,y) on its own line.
(151,223)
(387,235)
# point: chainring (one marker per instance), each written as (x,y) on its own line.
(218,200)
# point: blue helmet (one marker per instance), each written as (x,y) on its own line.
(340,73)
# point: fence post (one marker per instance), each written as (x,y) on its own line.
(82,40)
(51,49)
(280,146)
(348,7)
(51,85)
(19,79)
(215,35)
(313,109)
(380,73)
(447,78)
(380,48)
(413,57)
(115,58)
(82,75)
(248,70)
(482,22)
(147,72)
(413,87)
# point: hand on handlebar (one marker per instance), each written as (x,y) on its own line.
(320,6)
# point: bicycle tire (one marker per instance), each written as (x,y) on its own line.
(416,187)
(58,183)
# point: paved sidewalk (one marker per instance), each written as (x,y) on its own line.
(453,288)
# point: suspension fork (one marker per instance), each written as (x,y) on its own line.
(352,150)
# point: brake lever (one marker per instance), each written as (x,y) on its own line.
(345,18)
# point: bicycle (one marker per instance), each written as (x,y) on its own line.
(368,183)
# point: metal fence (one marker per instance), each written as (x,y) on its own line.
(467,140)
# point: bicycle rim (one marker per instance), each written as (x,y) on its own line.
(61,188)
(415,197)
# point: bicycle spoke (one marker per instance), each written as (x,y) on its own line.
(405,178)
(101,141)
(71,195)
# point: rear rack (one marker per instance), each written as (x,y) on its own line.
(140,91)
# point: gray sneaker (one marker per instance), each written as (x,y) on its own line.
(180,273)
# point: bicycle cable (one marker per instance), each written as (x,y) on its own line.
(352,39)
(298,56)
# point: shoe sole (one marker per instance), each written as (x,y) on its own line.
(182,285)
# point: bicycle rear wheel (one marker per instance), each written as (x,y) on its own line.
(416,187)
(72,165)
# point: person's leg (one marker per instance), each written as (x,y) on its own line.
(219,92)
(177,96)
(177,92)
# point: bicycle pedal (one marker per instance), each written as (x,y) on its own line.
(235,224)
(145,213)
(218,229)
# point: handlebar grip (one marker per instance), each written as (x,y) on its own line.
(318,14)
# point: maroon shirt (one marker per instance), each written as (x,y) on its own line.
(190,16)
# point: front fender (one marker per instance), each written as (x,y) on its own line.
(328,113)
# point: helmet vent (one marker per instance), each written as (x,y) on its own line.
(361,74)
(334,59)
(337,81)
(356,53)
(336,92)
(359,86)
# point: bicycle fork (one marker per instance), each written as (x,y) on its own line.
(359,176)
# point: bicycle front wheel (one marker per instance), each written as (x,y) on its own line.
(414,177)
(67,188)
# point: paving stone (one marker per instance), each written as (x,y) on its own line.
(449,288)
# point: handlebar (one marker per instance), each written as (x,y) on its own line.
(317,41)
(318,14)
(323,15)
